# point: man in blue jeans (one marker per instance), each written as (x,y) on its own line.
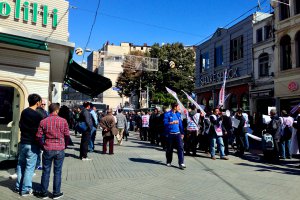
(53,136)
(216,132)
(175,134)
(28,149)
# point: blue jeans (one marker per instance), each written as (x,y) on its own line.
(92,139)
(285,148)
(213,139)
(57,157)
(246,142)
(172,140)
(26,165)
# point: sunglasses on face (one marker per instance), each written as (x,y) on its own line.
(43,104)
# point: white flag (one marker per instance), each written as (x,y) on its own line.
(183,110)
(194,102)
(222,90)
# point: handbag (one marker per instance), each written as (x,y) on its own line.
(82,127)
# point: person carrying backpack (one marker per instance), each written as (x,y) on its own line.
(286,134)
(274,128)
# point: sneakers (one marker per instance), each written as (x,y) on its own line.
(168,164)
(86,159)
(41,195)
(13,176)
(213,158)
(27,193)
(182,166)
(57,196)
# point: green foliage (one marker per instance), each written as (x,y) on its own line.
(181,77)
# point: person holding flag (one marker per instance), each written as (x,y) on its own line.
(175,134)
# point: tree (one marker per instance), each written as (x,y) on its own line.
(180,77)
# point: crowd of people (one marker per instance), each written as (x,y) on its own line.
(46,134)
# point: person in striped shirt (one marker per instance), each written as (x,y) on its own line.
(193,128)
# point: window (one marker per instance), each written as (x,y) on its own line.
(297,7)
(233,102)
(219,56)
(245,102)
(297,43)
(236,48)
(284,9)
(285,55)
(204,61)
(263,64)
(259,35)
(268,32)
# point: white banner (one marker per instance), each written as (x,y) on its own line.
(183,110)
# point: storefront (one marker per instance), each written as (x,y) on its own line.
(34,56)
(287,91)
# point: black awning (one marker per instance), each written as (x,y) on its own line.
(85,81)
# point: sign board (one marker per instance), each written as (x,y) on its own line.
(216,77)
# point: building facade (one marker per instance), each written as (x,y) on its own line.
(262,89)
(109,61)
(34,54)
(287,53)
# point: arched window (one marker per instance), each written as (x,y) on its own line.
(285,55)
(233,102)
(284,9)
(263,64)
(245,102)
(297,44)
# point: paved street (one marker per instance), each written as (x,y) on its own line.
(138,171)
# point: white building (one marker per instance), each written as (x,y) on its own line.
(262,88)
(109,62)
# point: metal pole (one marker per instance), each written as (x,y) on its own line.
(140,92)
(147,103)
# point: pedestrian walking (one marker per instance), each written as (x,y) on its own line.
(145,126)
(286,135)
(85,119)
(173,123)
(297,126)
(274,128)
(53,137)
(28,150)
(121,125)
(239,133)
(93,112)
(108,125)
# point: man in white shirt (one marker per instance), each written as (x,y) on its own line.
(145,126)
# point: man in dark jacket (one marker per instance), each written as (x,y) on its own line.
(86,117)
(227,123)
(239,132)
(274,128)
(29,123)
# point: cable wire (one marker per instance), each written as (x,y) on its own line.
(94,22)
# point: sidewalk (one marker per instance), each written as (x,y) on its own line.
(137,170)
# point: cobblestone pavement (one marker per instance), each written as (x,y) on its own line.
(137,170)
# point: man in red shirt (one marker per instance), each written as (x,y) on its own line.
(53,136)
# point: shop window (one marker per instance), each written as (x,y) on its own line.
(284,9)
(233,102)
(236,48)
(263,64)
(218,56)
(259,35)
(297,44)
(204,61)
(297,6)
(285,55)
(245,102)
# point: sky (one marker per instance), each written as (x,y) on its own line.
(152,21)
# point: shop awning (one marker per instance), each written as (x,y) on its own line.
(85,81)
(23,42)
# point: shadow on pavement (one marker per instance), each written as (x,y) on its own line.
(145,160)
(273,168)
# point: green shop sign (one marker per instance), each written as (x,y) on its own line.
(27,8)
